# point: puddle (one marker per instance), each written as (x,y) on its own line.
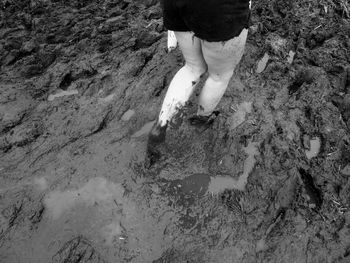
(98,212)
(188,189)
(262,63)
(62,94)
(239,116)
(128,115)
(219,184)
(315,146)
(107,99)
(185,193)
(261,245)
(41,183)
(112,232)
(144,130)
(113,19)
(290,57)
(97,190)
(346,170)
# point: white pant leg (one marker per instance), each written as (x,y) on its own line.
(185,80)
(222,59)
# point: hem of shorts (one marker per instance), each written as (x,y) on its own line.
(174,28)
(205,38)
(220,39)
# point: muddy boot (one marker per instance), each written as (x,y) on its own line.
(200,121)
(156,139)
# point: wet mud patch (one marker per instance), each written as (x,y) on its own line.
(189,189)
(90,222)
(82,82)
(78,249)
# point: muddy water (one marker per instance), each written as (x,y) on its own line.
(97,191)
(290,57)
(219,184)
(92,211)
(189,189)
(262,63)
(195,186)
(128,115)
(62,93)
(315,146)
(144,130)
(97,211)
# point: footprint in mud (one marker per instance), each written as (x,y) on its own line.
(312,192)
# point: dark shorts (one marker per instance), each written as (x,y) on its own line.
(211,20)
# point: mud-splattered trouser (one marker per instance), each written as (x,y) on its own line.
(218,58)
(212,36)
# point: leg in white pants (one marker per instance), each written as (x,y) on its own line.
(220,58)
(185,80)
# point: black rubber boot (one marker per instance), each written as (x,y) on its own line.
(199,120)
(156,138)
(157,134)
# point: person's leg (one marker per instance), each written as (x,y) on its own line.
(222,59)
(185,80)
(179,91)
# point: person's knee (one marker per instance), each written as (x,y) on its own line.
(196,70)
(221,77)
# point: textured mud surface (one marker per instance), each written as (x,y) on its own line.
(81,83)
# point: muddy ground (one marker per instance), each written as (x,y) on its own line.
(81,83)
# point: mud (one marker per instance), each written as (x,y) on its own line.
(81,83)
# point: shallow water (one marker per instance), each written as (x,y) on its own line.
(262,63)
(290,57)
(219,184)
(187,189)
(144,130)
(128,115)
(96,211)
(97,190)
(63,93)
(196,185)
(315,146)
